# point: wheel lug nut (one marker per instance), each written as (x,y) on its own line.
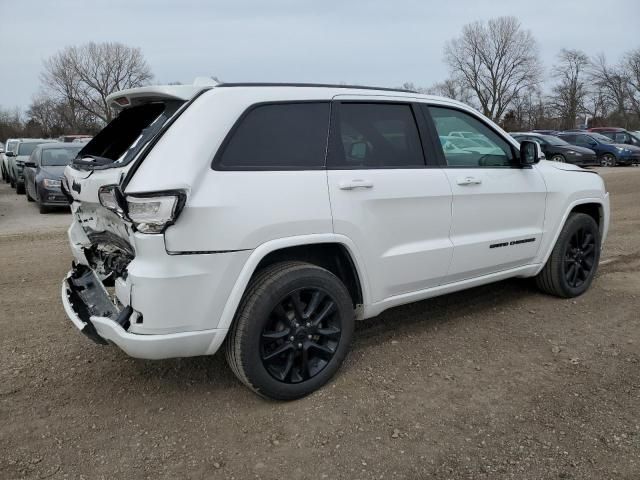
(309,337)
(299,345)
(308,324)
(292,338)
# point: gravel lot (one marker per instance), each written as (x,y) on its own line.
(496,382)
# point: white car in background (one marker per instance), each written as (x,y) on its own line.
(277,232)
(9,146)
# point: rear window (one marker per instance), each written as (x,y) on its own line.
(26,148)
(122,139)
(283,136)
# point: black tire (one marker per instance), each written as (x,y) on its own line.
(43,209)
(608,160)
(575,256)
(20,188)
(29,197)
(267,322)
(12,183)
(558,158)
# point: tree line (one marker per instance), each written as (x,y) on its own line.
(493,66)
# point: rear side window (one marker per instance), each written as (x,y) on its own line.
(376,135)
(282,136)
(125,135)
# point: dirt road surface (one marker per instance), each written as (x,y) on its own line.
(497,382)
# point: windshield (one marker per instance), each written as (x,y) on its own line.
(27,148)
(550,139)
(601,138)
(56,157)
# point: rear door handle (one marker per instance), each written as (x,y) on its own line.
(468,181)
(356,183)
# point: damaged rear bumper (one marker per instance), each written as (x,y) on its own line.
(89,307)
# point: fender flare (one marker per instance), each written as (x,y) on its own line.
(602,201)
(240,285)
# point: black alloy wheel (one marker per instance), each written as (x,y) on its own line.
(301,336)
(580,256)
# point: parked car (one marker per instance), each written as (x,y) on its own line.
(275,232)
(558,150)
(43,171)
(618,135)
(24,149)
(74,138)
(10,146)
(609,154)
(546,132)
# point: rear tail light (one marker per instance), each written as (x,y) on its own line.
(150,212)
(154,212)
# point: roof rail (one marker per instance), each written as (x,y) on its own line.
(324,85)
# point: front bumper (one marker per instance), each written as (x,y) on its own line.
(51,197)
(89,307)
(632,159)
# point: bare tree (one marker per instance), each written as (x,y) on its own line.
(613,83)
(631,66)
(568,95)
(84,76)
(451,88)
(496,61)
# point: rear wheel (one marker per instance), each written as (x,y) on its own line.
(20,188)
(292,330)
(573,263)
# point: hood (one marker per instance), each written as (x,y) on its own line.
(575,148)
(53,172)
(633,148)
(568,167)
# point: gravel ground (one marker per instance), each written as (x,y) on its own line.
(495,382)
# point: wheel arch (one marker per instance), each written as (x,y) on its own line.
(336,253)
(597,208)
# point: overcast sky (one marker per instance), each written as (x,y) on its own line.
(377,42)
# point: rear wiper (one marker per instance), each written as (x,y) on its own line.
(91,161)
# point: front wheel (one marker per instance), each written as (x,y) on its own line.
(573,263)
(608,160)
(292,330)
(558,158)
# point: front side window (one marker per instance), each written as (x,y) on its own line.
(11,146)
(484,148)
(281,136)
(584,141)
(376,135)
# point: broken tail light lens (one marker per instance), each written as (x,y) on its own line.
(110,198)
(154,212)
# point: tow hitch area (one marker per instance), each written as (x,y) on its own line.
(88,298)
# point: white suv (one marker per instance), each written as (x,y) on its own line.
(271,217)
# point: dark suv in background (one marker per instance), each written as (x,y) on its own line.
(609,153)
(559,150)
(618,135)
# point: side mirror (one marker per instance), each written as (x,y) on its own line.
(10,154)
(528,153)
(30,164)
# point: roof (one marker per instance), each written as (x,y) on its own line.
(60,145)
(315,85)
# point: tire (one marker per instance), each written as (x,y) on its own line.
(269,340)
(12,183)
(20,188)
(575,255)
(29,197)
(43,209)
(558,158)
